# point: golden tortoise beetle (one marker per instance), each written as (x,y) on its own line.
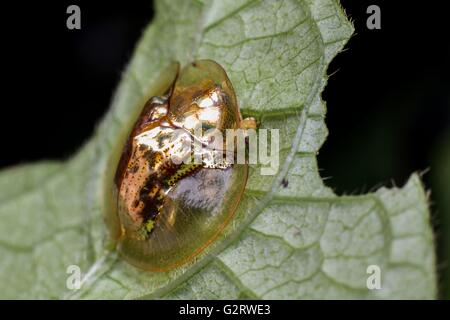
(170,211)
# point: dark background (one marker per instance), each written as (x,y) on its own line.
(388,94)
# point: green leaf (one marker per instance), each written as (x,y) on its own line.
(301,241)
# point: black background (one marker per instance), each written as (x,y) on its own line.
(388,94)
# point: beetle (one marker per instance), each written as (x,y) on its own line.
(171,207)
